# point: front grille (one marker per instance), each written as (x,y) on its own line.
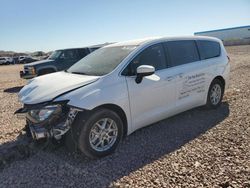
(26,70)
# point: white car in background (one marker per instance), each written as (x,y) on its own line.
(20,58)
(6,60)
(123,87)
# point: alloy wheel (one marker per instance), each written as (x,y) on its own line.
(215,94)
(103,134)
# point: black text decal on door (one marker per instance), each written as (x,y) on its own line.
(192,84)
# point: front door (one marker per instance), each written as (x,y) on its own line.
(154,98)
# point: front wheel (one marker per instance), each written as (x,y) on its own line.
(100,133)
(215,94)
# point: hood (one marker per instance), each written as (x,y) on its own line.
(38,62)
(47,87)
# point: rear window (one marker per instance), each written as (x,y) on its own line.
(208,49)
(182,52)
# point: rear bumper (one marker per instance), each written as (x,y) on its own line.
(25,75)
(226,76)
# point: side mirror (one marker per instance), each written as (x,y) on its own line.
(143,70)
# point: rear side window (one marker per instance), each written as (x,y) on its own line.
(181,52)
(208,49)
(69,54)
(83,52)
(153,55)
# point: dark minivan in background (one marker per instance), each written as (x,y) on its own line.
(59,60)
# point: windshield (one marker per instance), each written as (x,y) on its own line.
(55,54)
(102,61)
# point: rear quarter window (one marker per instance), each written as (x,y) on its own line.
(208,49)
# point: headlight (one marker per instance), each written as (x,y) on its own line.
(44,113)
(32,70)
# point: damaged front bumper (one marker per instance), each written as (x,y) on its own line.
(38,132)
(54,126)
(56,131)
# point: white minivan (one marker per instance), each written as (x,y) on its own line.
(123,87)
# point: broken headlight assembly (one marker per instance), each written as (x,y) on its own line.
(44,113)
(48,120)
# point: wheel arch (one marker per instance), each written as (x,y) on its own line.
(120,113)
(220,78)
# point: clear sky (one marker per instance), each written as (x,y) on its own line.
(34,25)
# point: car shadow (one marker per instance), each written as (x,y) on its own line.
(13,89)
(137,150)
(148,144)
(18,149)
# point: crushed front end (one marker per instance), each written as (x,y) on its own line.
(48,120)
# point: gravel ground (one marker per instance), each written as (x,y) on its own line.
(198,148)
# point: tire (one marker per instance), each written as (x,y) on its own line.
(215,94)
(70,141)
(90,133)
(27,131)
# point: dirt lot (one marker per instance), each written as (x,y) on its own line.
(198,148)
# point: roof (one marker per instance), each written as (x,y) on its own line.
(133,42)
(99,45)
(231,28)
(70,48)
(93,46)
(138,42)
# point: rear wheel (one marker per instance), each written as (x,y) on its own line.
(99,134)
(215,94)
